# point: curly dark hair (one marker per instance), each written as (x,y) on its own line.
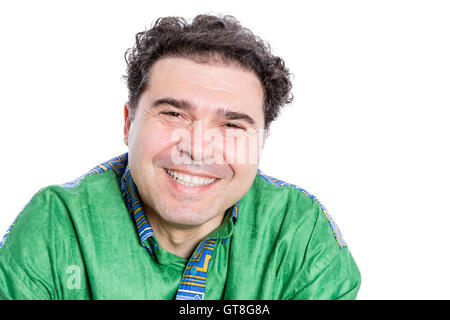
(204,40)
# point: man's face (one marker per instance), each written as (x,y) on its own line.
(191,138)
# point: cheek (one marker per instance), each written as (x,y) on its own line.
(242,155)
(148,141)
(242,150)
(242,180)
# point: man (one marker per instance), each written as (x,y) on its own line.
(186,213)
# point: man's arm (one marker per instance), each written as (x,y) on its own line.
(339,280)
(25,259)
(325,269)
(16,284)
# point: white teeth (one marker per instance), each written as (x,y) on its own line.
(188,180)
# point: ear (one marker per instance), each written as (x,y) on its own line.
(265,136)
(127,123)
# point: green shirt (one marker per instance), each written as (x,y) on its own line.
(90,239)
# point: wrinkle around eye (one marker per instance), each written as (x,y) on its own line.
(173,118)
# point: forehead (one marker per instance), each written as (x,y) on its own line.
(208,86)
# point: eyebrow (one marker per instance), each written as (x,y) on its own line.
(233,115)
(222,112)
(180,104)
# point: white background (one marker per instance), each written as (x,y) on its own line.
(367,132)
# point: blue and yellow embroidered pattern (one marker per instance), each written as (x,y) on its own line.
(334,227)
(193,282)
(131,197)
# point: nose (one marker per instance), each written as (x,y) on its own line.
(199,144)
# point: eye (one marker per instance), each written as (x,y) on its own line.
(172,113)
(173,118)
(233,126)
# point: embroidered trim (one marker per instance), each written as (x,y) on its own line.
(193,282)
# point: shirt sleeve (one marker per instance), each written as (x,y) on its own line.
(327,271)
(25,259)
(16,284)
(340,280)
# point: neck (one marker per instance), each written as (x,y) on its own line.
(181,240)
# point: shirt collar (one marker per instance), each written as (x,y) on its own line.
(134,205)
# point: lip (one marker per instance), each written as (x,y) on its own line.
(192,190)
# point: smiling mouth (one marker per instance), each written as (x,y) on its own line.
(189,180)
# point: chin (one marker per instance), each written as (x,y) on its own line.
(185,222)
(187,217)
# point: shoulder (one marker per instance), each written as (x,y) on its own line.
(313,259)
(55,206)
(48,235)
(297,208)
